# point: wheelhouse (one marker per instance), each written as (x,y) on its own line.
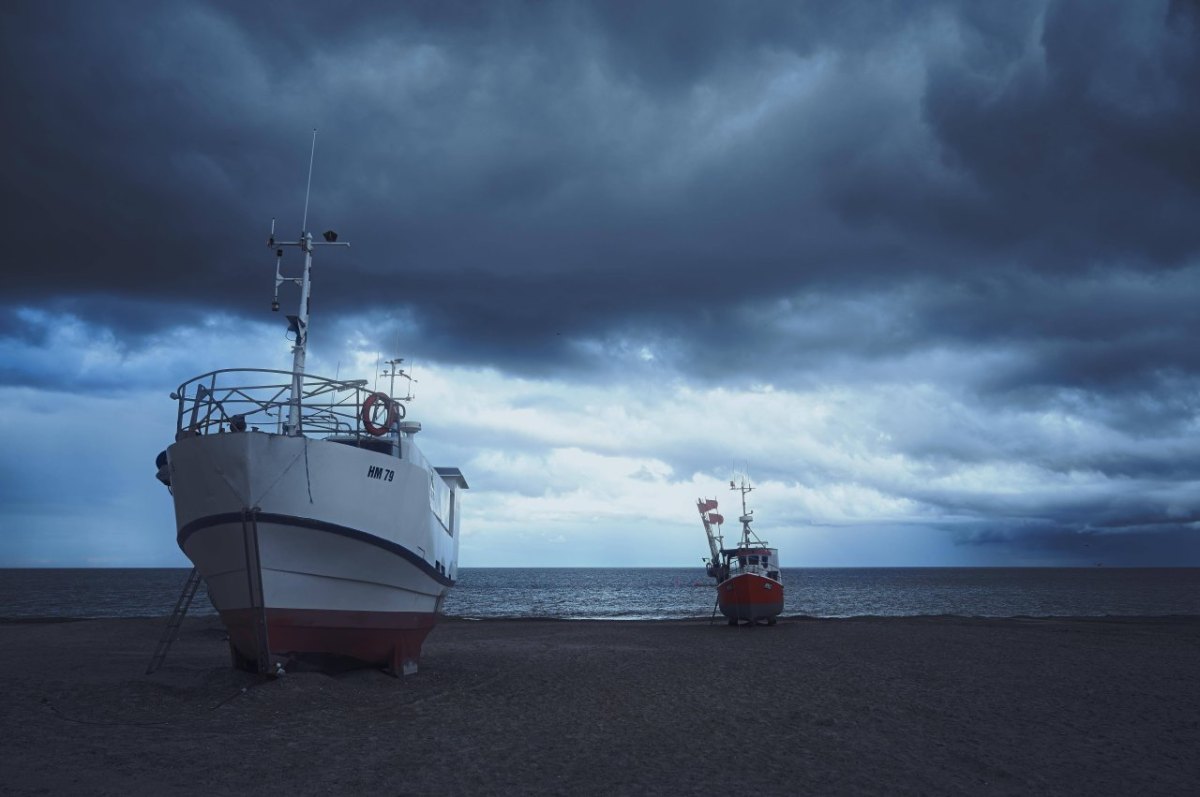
(759,561)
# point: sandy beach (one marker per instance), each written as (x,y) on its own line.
(860,706)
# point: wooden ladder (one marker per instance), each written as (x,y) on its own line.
(174,622)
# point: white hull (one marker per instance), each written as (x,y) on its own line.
(309,568)
(346,537)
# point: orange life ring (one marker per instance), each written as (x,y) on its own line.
(367,414)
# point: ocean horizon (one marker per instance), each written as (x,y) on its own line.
(659,593)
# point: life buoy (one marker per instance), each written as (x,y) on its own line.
(368,414)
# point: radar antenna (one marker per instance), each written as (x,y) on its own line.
(298,324)
(743,487)
(394,370)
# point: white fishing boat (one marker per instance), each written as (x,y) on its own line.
(306,505)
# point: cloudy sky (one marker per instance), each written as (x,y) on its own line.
(929,273)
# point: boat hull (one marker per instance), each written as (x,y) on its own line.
(309,544)
(750,597)
(391,640)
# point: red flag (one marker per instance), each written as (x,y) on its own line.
(715,518)
(707,505)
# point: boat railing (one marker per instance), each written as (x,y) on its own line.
(240,399)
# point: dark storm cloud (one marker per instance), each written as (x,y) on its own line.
(999,200)
(1108,329)
(1078,151)
(1151,546)
(521,174)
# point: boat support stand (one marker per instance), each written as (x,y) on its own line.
(264,662)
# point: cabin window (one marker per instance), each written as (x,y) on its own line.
(369,443)
(742,561)
(439,499)
(754,560)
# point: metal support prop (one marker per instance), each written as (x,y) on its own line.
(258,609)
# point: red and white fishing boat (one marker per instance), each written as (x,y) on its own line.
(748,581)
(307,507)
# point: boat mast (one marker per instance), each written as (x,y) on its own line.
(394,370)
(747,515)
(298,323)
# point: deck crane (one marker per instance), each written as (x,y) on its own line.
(711,519)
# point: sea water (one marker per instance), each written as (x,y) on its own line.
(665,593)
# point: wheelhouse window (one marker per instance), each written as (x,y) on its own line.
(439,499)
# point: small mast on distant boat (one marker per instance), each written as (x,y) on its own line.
(747,575)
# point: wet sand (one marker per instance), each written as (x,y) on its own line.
(861,706)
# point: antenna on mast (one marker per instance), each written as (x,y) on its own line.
(743,486)
(394,370)
(279,279)
(308,188)
(298,324)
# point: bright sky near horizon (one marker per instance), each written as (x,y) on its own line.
(928,273)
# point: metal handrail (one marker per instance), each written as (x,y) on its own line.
(230,397)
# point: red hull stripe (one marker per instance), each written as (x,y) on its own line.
(229,518)
(372,637)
